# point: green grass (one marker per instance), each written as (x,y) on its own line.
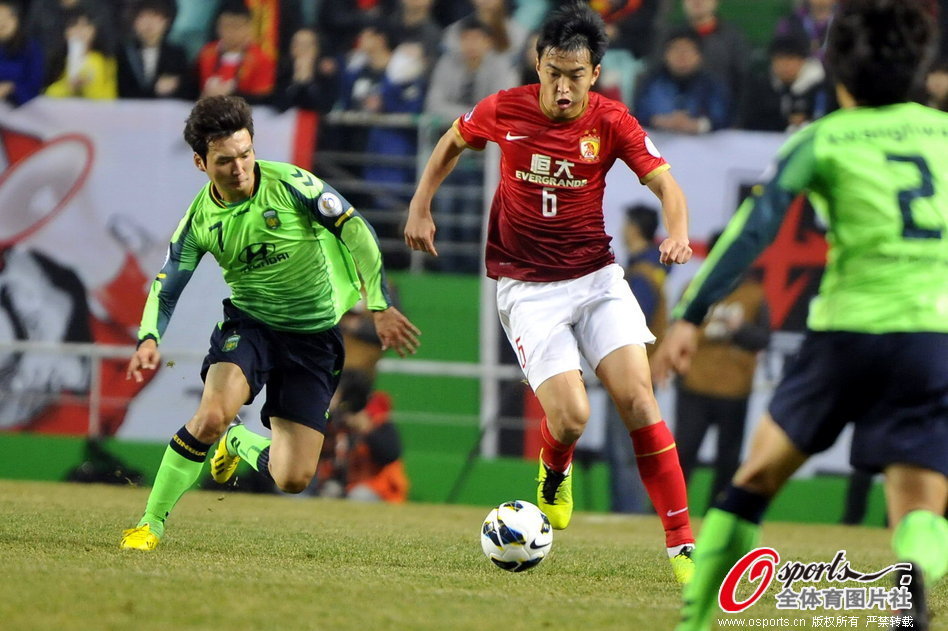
(235,561)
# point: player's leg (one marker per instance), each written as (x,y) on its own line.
(566,411)
(293,454)
(225,390)
(916,500)
(625,374)
(537,318)
(732,527)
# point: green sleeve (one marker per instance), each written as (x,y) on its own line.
(184,254)
(334,213)
(750,231)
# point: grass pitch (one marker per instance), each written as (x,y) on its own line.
(234,561)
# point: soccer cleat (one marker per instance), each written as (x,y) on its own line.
(139,538)
(917,611)
(683,565)
(555,495)
(223,464)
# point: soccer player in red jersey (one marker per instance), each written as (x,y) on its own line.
(560,294)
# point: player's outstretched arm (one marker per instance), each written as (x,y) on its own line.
(420,227)
(146,357)
(675,248)
(396,331)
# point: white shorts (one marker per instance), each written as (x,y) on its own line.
(551,324)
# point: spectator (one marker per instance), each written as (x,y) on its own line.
(193,25)
(460,80)
(646,277)
(234,64)
(83,67)
(717,386)
(148,65)
(368,450)
(791,93)
(413,23)
(342,21)
(47,21)
(630,24)
(810,21)
(723,45)
(21,57)
(936,85)
(680,96)
(306,79)
(508,36)
(527,66)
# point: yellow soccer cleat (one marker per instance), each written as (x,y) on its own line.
(555,494)
(223,464)
(683,566)
(139,538)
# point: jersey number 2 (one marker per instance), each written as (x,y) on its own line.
(911,230)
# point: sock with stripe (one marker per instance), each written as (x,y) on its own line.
(179,470)
(922,538)
(729,531)
(657,459)
(253,449)
(556,455)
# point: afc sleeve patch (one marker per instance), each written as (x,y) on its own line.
(329,205)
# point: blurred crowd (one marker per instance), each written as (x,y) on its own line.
(678,64)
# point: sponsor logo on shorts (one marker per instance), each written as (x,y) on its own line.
(231,343)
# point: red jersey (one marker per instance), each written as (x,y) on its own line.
(546,221)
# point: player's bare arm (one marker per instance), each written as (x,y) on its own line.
(675,248)
(420,227)
(396,331)
(145,357)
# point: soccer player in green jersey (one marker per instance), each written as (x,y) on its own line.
(876,353)
(295,254)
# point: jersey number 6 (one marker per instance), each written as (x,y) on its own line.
(549,202)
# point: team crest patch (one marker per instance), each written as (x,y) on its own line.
(231,343)
(589,147)
(272,219)
(329,205)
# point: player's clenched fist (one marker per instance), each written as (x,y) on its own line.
(674,251)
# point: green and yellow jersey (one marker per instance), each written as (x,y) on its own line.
(878,177)
(292,254)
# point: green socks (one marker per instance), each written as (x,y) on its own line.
(249,446)
(180,467)
(724,539)
(922,538)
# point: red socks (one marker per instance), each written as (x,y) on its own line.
(657,458)
(555,455)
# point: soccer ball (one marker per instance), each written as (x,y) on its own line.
(516,536)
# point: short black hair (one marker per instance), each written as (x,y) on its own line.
(879,49)
(683,32)
(354,389)
(645,218)
(234,7)
(161,7)
(574,26)
(215,117)
(789,46)
(473,23)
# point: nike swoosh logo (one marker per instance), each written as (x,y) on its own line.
(672,513)
(533,544)
(512,137)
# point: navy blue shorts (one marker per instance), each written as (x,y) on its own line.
(893,387)
(300,370)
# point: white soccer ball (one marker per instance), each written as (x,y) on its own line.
(516,536)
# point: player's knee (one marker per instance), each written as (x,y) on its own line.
(295,482)
(209,423)
(637,404)
(758,480)
(569,421)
